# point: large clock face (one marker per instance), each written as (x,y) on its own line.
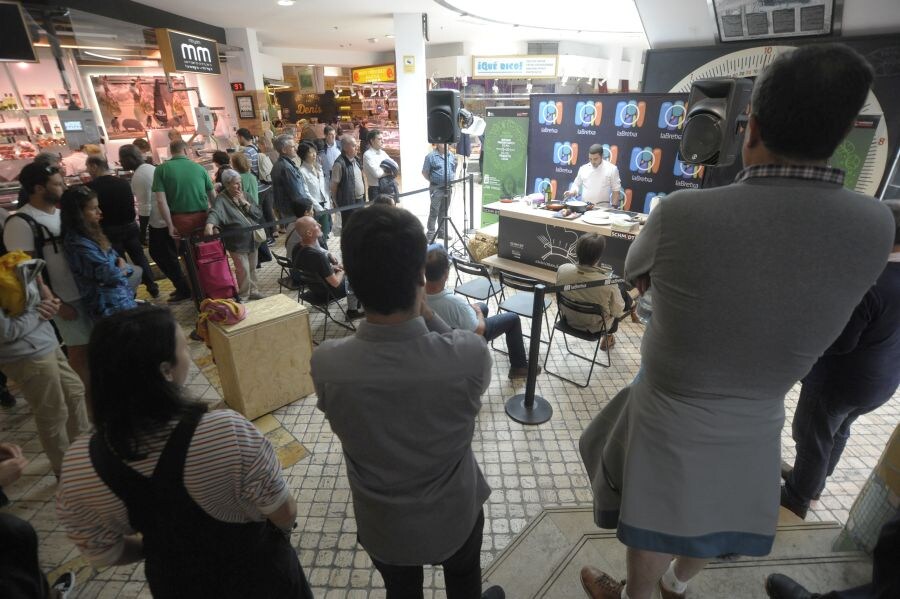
(751,61)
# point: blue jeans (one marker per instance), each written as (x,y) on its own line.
(820,430)
(506,323)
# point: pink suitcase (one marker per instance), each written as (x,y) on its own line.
(216,279)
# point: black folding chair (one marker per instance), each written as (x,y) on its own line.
(562,325)
(311,281)
(285,281)
(481,288)
(521,303)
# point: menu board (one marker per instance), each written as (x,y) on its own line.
(640,134)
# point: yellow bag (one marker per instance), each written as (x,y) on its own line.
(482,246)
(12,292)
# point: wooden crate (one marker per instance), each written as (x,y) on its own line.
(263,360)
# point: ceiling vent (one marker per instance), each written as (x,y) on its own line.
(550,48)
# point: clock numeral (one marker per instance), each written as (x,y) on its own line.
(881,141)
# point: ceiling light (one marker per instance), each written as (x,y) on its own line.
(390,36)
(286,2)
(372,40)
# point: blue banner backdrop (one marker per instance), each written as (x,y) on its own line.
(639,133)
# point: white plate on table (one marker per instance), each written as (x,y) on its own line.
(596,217)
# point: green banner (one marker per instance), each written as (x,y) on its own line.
(506,151)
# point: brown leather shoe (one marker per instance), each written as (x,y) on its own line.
(667,594)
(634,316)
(608,342)
(600,585)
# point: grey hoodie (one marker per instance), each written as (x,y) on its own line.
(25,336)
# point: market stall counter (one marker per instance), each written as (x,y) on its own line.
(534,241)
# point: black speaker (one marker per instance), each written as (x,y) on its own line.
(716,112)
(443,116)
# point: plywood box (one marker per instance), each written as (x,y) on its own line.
(263,360)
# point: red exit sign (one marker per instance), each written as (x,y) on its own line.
(237,86)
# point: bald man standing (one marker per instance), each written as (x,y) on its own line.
(311,258)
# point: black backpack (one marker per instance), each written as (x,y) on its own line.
(42,237)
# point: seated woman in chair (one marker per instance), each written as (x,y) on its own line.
(589,249)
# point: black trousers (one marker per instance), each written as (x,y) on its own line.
(164,253)
(885,575)
(462,571)
(20,574)
(267,203)
(127,239)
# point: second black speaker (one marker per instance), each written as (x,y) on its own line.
(443,116)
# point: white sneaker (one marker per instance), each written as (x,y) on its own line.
(63,585)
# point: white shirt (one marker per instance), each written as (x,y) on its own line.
(596,184)
(17,235)
(372,165)
(327,158)
(315,185)
(141,184)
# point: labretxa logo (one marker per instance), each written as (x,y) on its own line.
(565,152)
(550,113)
(588,114)
(610,153)
(630,114)
(645,160)
(671,115)
(686,170)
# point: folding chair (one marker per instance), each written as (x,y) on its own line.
(309,282)
(561,325)
(521,303)
(482,288)
(285,281)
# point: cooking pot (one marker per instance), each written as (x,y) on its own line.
(555,206)
(577,206)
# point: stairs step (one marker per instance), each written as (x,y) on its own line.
(545,559)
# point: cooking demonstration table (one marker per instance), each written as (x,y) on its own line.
(534,242)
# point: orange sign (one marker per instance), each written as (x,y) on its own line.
(384,73)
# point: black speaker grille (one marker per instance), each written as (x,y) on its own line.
(701,139)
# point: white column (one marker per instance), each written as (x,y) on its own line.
(411,106)
(251,70)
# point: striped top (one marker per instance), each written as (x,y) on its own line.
(826,174)
(231,472)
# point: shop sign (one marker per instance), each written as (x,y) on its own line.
(514,67)
(186,53)
(384,73)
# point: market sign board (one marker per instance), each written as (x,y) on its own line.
(385,73)
(514,67)
(186,53)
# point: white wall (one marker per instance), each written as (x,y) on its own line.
(338,58)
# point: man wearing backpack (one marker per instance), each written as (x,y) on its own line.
(261,167)
(35,229)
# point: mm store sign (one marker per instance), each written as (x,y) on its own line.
(514,67)
(186,53)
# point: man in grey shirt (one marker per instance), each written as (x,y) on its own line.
(402,395)
(751,283)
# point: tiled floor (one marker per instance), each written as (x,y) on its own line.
(528,468)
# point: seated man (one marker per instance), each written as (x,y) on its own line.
(589,249)
(454,310)
(310,257)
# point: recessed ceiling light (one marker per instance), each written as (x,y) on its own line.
(372,40)
(286,2)
(390,36)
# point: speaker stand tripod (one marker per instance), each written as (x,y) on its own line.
(444,219)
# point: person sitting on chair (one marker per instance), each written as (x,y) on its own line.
(589,249)
(458,314)
(308,256)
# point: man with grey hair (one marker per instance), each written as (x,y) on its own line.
(291,195)
(347,185)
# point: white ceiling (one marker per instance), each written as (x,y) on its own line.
(322,25)
(348,26)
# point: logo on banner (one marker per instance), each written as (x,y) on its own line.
(588,114)
(630,114)
(626,203)
(565,152)
(671,115)
(550,113)
(645,160)
(686,170)
(651,200)
(610,153)
(541,185)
